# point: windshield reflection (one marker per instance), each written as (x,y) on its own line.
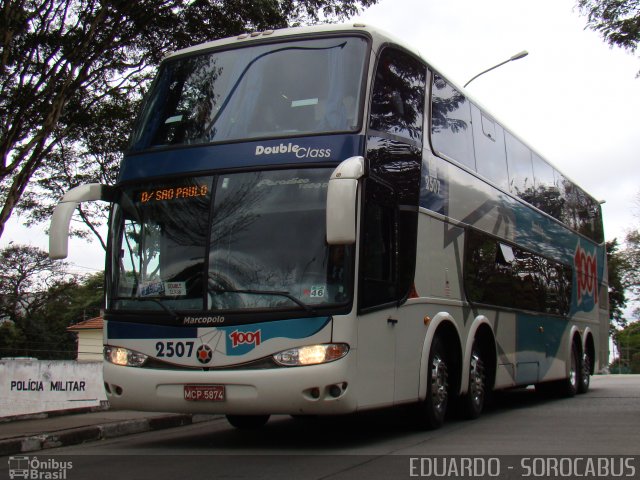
(236,242)
(301,87)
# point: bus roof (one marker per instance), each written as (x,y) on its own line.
(282,33)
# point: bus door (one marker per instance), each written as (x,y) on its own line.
(377,298)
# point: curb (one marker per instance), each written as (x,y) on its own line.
(92,433)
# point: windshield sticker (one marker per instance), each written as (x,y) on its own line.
(174,119)
(151,289)
(175,288)
(316,291)
(159,289)
(304,103)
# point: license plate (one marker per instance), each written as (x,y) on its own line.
(204,393)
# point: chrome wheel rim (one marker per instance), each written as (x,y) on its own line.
(573,370)
(439,383)
(476,379)
(586,369)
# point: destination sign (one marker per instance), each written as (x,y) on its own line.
(165,194)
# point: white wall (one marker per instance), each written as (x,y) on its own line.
(34,386)
(90,345)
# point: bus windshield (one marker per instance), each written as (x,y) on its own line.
(268,90)
(252,240)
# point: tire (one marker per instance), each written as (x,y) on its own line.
(585,374)
(433,409)
(472,403)
(570,384)
(248,422)
(567,387)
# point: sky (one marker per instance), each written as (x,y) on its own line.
(573,99)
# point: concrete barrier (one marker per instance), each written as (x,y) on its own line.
(30,386)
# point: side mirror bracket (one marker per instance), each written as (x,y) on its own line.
(61,219)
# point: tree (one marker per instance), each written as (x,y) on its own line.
(26,274)
(63,62)
(618,21)
(628,344)
(38,301)
(631,274)
(617,266)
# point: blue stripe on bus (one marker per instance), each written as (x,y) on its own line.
(139,331)
(294,329)
(261,153)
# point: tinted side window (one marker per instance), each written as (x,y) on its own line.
(488,139)
(581,212)
(504,275)
(398,95)
(451,132)
(547,195)
(520,168)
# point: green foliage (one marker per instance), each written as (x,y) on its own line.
(631,256)
(72,73)
(617,267)
(628,344)
(38,301)
(618,21)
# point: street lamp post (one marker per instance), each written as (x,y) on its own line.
(517,56)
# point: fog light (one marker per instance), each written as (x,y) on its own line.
(124,357)
(335,391)
(311,355)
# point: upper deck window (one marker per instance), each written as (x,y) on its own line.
(269,90)
(398,95)
(451,132)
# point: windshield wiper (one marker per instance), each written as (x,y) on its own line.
(267,292)
(166,308)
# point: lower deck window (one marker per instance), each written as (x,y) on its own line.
(496,273)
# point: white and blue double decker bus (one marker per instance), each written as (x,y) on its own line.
(316,221)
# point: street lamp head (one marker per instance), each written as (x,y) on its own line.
(520,55)
(517,56)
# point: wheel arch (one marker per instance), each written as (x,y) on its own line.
(575,337)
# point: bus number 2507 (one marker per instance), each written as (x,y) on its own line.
(174,349)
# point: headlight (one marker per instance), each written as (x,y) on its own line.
(124,357)
(311,355)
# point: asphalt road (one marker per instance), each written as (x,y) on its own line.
(605,422)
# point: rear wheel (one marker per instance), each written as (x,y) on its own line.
(473,401)
(567,387)
(434,408)
(585,374)
(248,422)
(571,383)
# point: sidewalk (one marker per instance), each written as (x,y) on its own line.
(33,434)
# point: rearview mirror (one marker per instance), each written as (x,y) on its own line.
(342,196)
